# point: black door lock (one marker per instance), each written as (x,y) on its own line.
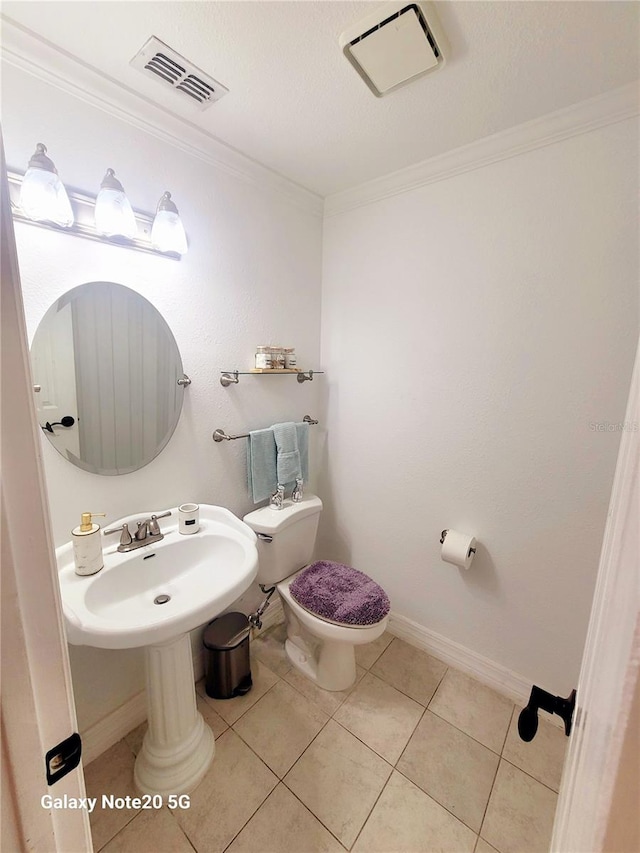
(528,719)
(63,758)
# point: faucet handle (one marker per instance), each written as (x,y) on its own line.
(125,538)
(154,527)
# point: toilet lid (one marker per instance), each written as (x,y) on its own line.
(341,594)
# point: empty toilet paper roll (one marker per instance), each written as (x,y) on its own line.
(458,548)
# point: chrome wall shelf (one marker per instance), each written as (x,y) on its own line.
(231,377)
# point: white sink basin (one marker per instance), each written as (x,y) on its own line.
(202,574)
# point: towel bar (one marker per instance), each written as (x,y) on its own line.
(220,434)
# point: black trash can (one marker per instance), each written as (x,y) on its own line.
(227,666)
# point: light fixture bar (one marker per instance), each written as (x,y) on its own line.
(83,206)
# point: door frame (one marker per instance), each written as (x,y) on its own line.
(38,710)
(588,801)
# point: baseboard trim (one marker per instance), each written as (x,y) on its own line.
(494,675)
(112,728)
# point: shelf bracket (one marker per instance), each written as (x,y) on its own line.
(229,379)
(304,377)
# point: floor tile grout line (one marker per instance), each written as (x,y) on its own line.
(504,742)
(279,778)
(513,764)
(409,741)
(251,816)
(431,797)
(315,816)
(366,820)
(253,705)
(182,830)
(263,801)
(364,744)
(368,746)
(404,693)
(530,776)
(462,731)
(124,826)
(493,784)
(393,687)
(320,688)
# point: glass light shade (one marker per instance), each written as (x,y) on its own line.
(113,214)
(44,198)
(167,232)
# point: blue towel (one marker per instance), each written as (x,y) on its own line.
(261,464)
(287,454)
(302,434)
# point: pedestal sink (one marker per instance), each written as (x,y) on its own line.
(153,596)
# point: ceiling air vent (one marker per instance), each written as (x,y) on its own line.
(395,45)
(175,72)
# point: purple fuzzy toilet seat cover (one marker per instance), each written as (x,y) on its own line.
(340,594)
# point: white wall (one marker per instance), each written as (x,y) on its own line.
(472,331)
(252,275)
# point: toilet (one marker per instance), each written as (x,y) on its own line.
(329,608)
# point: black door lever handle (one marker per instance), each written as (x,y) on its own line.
(67,421)
(528,719)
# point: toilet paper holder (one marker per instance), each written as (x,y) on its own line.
(443,536)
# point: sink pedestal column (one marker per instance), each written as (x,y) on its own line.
(178,747)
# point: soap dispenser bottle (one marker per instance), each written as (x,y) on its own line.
(87,545)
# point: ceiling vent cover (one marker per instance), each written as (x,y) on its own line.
(395,45)
(175,72)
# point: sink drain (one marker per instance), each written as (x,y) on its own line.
(161,599)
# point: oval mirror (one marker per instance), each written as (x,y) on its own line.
(108,367)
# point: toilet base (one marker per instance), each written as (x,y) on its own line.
(332,666)
(322,651)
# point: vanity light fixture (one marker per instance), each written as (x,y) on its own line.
(167,232)
(39,198)
(42,193)
(113,214)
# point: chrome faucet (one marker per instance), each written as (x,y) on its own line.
(148,531)
(142,532)
(276,501)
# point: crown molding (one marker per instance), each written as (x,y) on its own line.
(614,106)
(23,49)
(28,52)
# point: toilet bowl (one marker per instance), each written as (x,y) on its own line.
(319,647)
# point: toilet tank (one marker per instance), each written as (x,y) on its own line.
(293,535)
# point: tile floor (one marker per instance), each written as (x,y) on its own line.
(416,756)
